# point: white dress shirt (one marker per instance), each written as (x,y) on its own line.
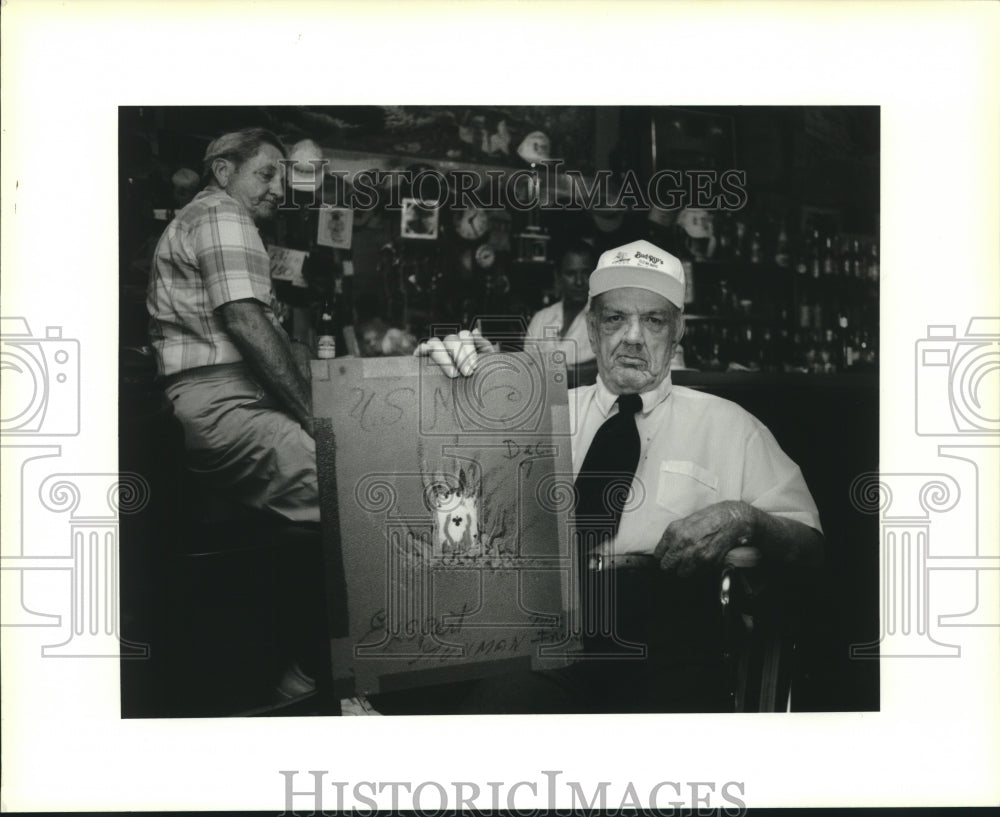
(696,449)
(575,344)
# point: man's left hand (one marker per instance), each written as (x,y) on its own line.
(457,354)
(703,538)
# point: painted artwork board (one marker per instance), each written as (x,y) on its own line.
(445,507)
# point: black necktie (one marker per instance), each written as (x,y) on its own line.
(605,478)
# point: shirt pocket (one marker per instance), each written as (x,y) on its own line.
(686,487)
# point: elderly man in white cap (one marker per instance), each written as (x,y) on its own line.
(713,474)
(696,476)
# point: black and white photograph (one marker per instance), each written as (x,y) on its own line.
(611,420)
(483,527)
(335,227)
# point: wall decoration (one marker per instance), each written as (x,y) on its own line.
(286,265)
(417,220)
(335,226)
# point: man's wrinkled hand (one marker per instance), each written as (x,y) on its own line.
(703,538)
(302,355)
(456,354)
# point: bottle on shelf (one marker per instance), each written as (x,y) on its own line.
(782,250)
(810,351)
(692,346)
(803,252)
(827,353)
(829,262)
(326,332)
(866,350)
(750,351)
(845,352)
(857,260)
(817,314)
(873,267)
(765,353)
(847,259)
(783,353)
(805,314)
(740,243)
(816,255)
(725,349)
(723,235)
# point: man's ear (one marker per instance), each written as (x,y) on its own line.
(222,169)
(679,331)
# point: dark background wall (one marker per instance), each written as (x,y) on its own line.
(801,163)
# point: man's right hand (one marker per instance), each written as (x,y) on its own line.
(456,354)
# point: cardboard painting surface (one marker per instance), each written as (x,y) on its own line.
(445,509)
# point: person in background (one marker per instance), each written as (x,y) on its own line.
(185,184)
(565,321)
(377,339)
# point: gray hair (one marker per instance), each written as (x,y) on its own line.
(238,147)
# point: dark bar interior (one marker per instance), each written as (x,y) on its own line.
(773,212)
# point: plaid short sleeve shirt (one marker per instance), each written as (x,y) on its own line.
(209,255)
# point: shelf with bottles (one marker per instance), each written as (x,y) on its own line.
(737,292)
(835,256)
(731,318)
(770,318)
(751,347)
(764,302)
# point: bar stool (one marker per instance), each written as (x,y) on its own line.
(225,596)
(760,641)
(246,604)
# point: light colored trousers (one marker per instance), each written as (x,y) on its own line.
(237,437)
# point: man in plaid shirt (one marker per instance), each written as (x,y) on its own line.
(229,367)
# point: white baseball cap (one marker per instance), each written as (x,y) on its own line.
(642,265)
(306,175)
(534,147)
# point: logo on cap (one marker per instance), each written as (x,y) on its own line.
(620,258)
(647,260)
